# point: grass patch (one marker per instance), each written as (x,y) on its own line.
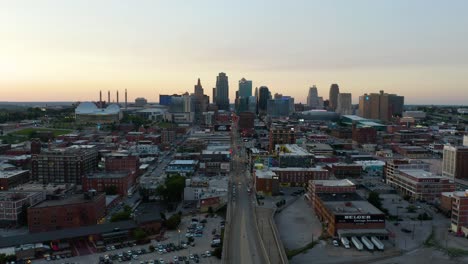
(30,131)
(293,252)
(430,241)
(164,124)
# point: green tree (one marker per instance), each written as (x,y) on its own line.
(218,252)
(172,189)
(374,199)
(173,222)
(111,190)
(139,234)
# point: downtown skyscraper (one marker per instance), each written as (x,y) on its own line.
(313,100)
(333,99)
(222,91)
(245,88)
(263,96)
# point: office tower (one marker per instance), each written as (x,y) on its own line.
(140,102)
(165,99)
(201,101)
(263,96)
(344,106)
(126,99)
(334,91)
(455,162)
(381,106)
(117,97)
(245,88)
(214,95)
(64,165)
(320,102)
(222,91)
(312,97)
(100,99)
(108,97)
(256,92)
(280,107)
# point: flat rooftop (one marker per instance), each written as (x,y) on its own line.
(183,162)
(12,173)
(293,150)
(332,183)
(351,207)
(73,199)
(114,175)
(339,197)
(297,169)
(421,174)
(264,174)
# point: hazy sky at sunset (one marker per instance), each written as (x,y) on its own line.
(68,50)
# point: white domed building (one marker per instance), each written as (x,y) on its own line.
(88,112)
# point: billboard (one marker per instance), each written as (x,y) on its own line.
(359,219)
(222,127)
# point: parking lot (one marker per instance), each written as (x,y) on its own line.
(175,248)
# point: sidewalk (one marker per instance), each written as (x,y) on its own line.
(266,229)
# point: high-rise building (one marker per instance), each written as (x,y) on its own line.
(455,162)
(256,92)
(344,106)
(165,99)
(245,88)
(222,91)
(64,165)
(140,101)
(312,97)
(263,96)
(200,101)
(334,91)
(381,106)
(280,107)
(214,95)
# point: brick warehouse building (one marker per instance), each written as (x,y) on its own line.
(295,177)
(122,181)
(343,211)
(66,165)
(73,211)
(420,184)
(122,162)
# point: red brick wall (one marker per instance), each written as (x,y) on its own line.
(41,219)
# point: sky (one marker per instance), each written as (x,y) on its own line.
(68,50)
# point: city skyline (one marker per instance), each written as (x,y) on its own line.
(59,54)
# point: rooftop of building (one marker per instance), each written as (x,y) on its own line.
(297,169)
(211,152)
(351,207)
(331,183)
(292,150)
(340,197)
(421,174)
(264,174)
(319,146)
(108,175)
(10,173)
(15,195)
(183,162)
(418,148)
(49,188)
(69,200)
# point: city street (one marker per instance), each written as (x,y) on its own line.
(244,243)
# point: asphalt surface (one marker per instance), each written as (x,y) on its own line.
(244,243)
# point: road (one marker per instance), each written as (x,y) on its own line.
(244,243)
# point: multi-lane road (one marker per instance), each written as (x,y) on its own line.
(244,243)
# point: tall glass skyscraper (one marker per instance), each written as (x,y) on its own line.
(245,88)
(222,91)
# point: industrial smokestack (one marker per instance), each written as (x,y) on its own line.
(100,99)
(125,98)
(108,97)
(117,96)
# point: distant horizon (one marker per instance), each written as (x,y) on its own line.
(132,102)
(62,50)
